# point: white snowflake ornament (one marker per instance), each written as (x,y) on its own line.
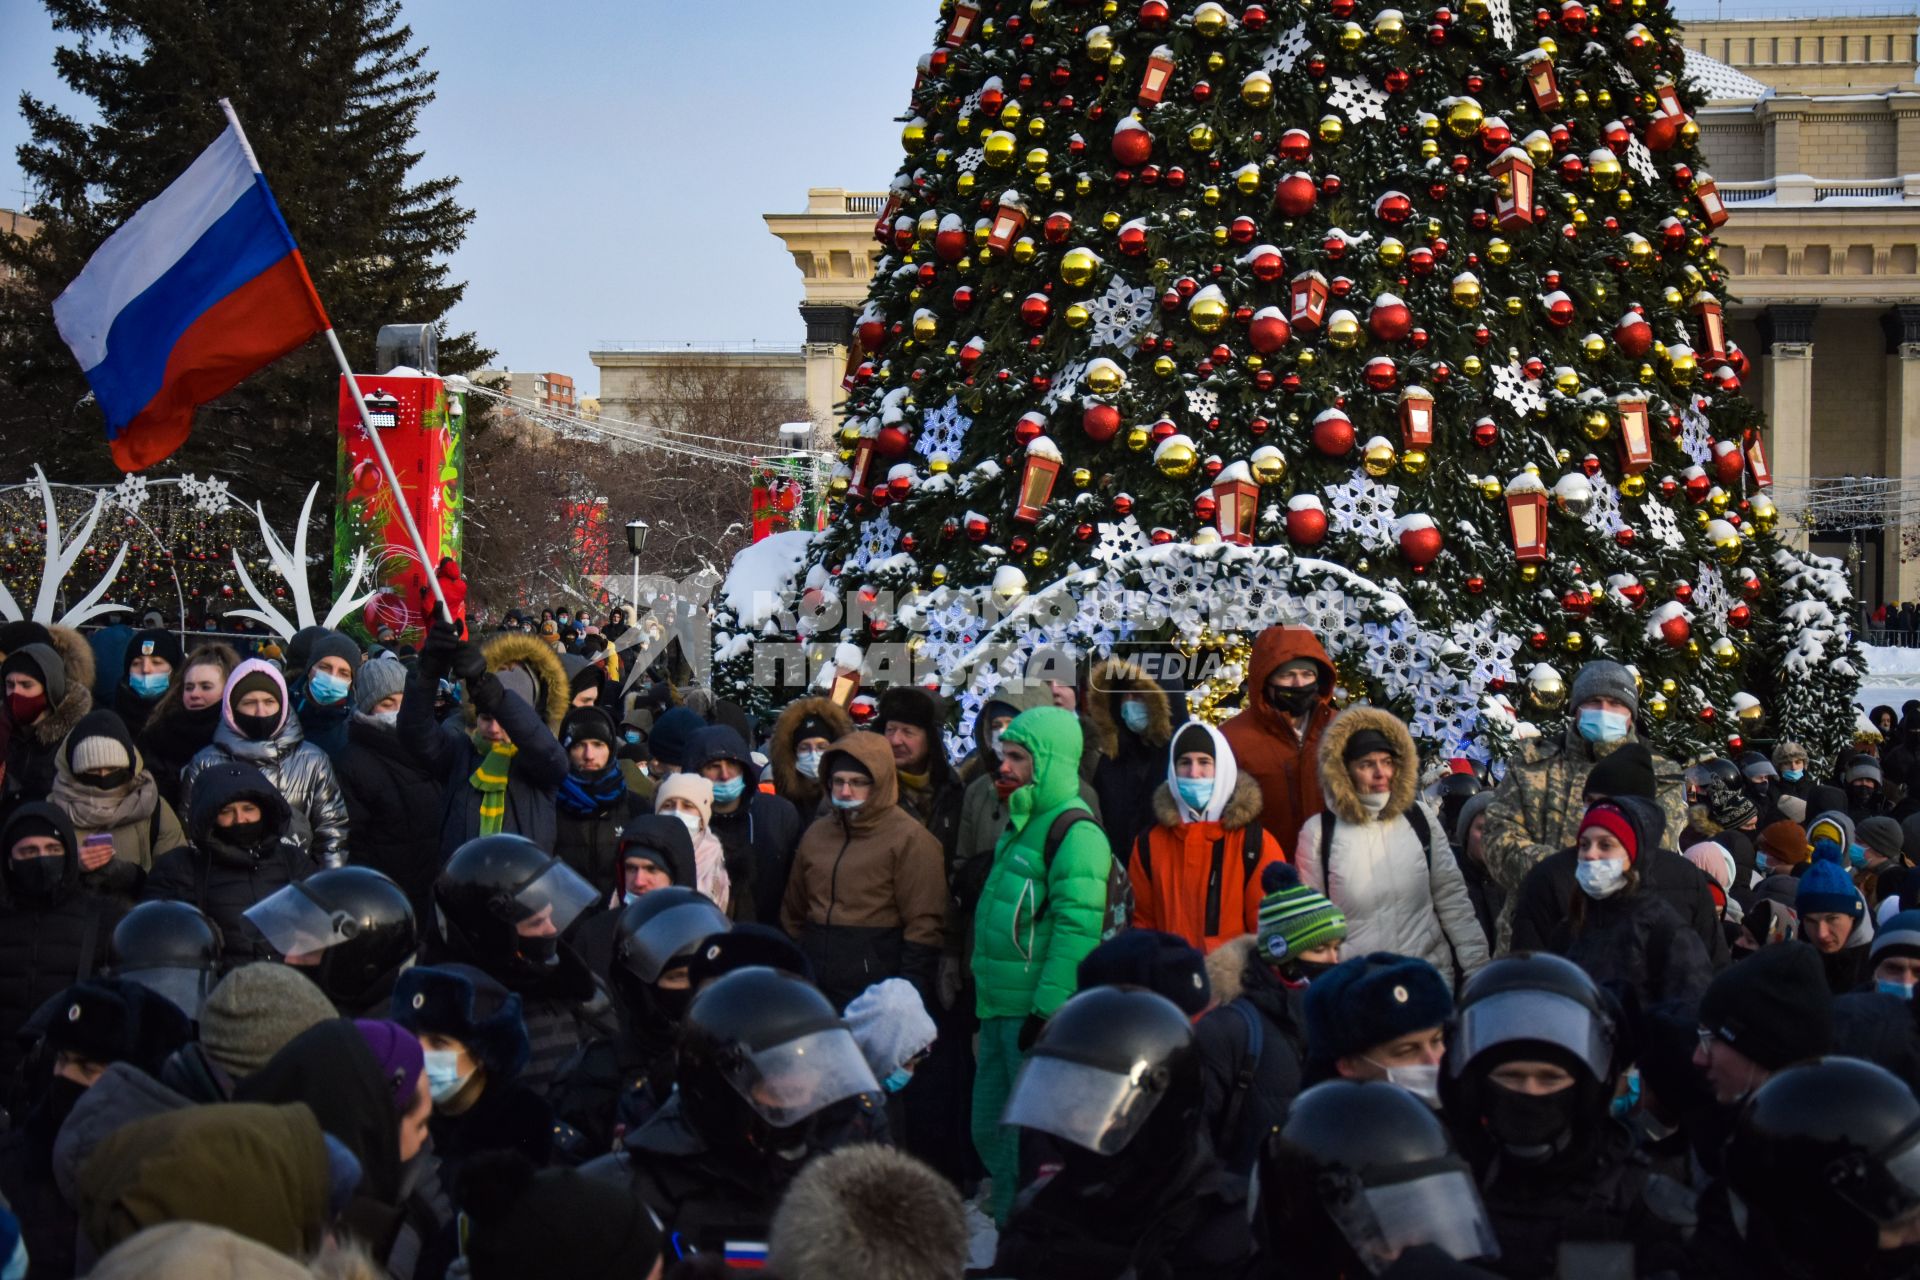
(1121,314)
(1117,539)
(1287,48)
(1357,99)
(1362,508)
(943,429)
(1511,384)
(130,494)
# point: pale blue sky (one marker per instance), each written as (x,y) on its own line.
(618,156)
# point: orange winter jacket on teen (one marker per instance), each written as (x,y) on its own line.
(1199,879)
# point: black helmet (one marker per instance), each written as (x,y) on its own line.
(656,932)
(762,1052)
(1374,1162)
(1105,1061)
(503,902)
(171,948)
(1533,1007)
(1455,790)
(1706,774)
(1824,1155)
(350,929)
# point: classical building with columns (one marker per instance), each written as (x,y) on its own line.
(1812,133)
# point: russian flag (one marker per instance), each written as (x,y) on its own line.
(201,287)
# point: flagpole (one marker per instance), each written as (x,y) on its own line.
(427,564)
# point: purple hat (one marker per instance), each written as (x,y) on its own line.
(400,1057)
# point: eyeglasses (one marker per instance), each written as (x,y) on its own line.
(1708,1039)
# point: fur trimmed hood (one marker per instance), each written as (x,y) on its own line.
(1112,681)
(1243,806)
(1337,788)
(76,656)
(1225,965)
(868,1210)
(787,780)
(510,649)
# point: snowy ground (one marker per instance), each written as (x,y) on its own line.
(1893,676)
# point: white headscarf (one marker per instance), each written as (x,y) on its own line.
(1226,774)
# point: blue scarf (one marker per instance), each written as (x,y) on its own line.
(592,796)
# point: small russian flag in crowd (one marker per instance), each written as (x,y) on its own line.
(746,1255)
(201,287)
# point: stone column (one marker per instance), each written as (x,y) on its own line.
(1787,332)
(829,334)
(1901,324)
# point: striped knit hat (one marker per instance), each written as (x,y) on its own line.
(1293,917)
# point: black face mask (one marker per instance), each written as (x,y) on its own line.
(1523,1121)
(540,952)
(105,781)
(1295,701)
(670,1003)
(244,835)
(255,728)
(36,879)
(1863,795)
(1313,970)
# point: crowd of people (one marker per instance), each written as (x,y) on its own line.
(492,959)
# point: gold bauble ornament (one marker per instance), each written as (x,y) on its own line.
(1077,316)
(1040,557)
(1268,468)
(1211,21)
(1689,133)
(1718,501)
(1429,149)
(1378,458)
(1216,60)
(1594,424)
(1105,378)
(939,575)
(1529,573)
(928,224)
(939,464)
(1633,486)
(913,138)
(1682,367)
(1165,366)
(1413,462)
(1765,514)
(1077,266)
(1208,313)
(1177,459)
(1514,305)
(1693,650)
(1748,710)
(1491,489)
(1389,27)
(1081,477)
(849,436)
(1475,10)
(1037,127)
(1473,366)
(1247,180)
(1546,688)
(1594,347)
(926,326)
(1099,44)
(1464,118)
(1499,252)
(1726,653)
(1658,706)
(837,487)
(1674,299)
(1307,359)
(1257,90)
(1343,330)
(1391,253)
(1083,185)
(1201,137)
(998,148)
(1352,36)
(1024,250)
(1037,160)
(1641,253)
(1220,236)
(1330,129)
(1138,438)
(1574,642)
(964,184)
(1567,382)
(1603,170)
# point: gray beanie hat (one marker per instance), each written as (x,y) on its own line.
(1477,803)
(519,680)
(377,679)
(1603,679)
(255,1011)
(335,644)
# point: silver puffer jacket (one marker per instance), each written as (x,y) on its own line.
(299,771)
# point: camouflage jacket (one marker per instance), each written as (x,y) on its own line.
(1536,810)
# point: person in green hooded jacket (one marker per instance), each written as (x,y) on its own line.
(1036,922)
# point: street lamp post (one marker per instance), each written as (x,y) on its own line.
(637,531)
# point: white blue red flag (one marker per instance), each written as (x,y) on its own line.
(200,288)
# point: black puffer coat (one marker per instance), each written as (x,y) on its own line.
(172,737)
(393,810)
(1550,886)
(1242,1109)
(590,842)
(221,878)
(759,837)
(47,941)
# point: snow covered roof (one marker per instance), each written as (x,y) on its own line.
(1715,81)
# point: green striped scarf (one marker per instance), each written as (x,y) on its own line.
(490,780)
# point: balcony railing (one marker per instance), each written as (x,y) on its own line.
(1798,189)
(871,205)
(652,348)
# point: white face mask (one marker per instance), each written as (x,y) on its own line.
(807,763)
(692,821)
(387,718)
(1422,1081)
(1602,877)
(1375,801)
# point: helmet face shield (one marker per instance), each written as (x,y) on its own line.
(299,928)
(549,903)
(1886,1188)
(1438,1206)
(1089,1106)
(788,1082)
(669,937)
(1526,1014)
(186,989)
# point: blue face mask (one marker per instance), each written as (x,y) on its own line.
(1627,1103)
(897,1081)
(327,688)
(150,687)
(1857,857)
(729,791)
(1793,775)
(847,802)
(1597,724)
(1196,792)
(631,735)
(1902,989)
(1134,715)
(443,1074)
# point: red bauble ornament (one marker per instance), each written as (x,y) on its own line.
(1306,525)
(1676,631)
(1634,593)
(1389,319)
(1739,617)
(1133,239)
(1296,145)
(1269,331)
(892,442)
(950,244)
(1132,144)
(1663,132)
(1380,373)
(1577,602)
(1267,264)
(963,299)
(1296,195)
(1035,310)
(976,528)
(1153,14)
(1205,508)
(1333,433)
(1393,208)
(1485,432)
(1123,504)
(1101,422)
(873,334)
(1476,584)
(1420,543)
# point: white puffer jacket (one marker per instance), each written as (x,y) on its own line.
(1397,896)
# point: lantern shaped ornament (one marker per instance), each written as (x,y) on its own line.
(1757,460)
(1008,222)
(1416,418)
(844,685)
(1713,325)
(1036,479)
(1541,81)
(1527,517)
(1669,98)
(1636,434)
(1707,192)
(1309,299)
(966,15)
(1513,191)
(1159,74)
(862,460)
(1236,504)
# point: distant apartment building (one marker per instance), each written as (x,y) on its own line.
(552,391)
(13,222)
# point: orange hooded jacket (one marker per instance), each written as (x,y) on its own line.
(1264,739)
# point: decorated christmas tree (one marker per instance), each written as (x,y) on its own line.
(1405,325)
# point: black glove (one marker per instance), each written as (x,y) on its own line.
(1030,1031)
(486,693)
(437,650)
(469,664)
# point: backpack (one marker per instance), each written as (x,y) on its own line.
(1252,845)
(1119,912)
(1416,818)
(1243,1080)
